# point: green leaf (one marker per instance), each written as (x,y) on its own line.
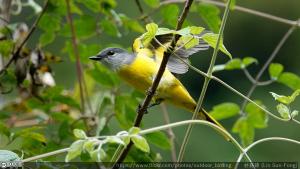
(126,139)
(110,28)
(36,136)
(93,5)
(78,133)
(294,95)
(125,108)
(26,130)
(140,143)
(103,76)
(211,39)
(283,110)
(256,116)
(89,145)
(4,129)
(290,79)
(6,155)
(75,150)
(170,13)
(101,124)
(248,61)
(6,47)
(294,113)
(210,15)
(159,139)
(46,38)
(134,130)
(280,98)
(151,28)
(196,30)
(163,31)
(64,130)
(224,110)
(275,69)
(50,22)
(286,99)
(245,130)
(66,100)
(190,30)
(189,41)
(235,63)
(131,24)
(98,155)
(86,26)
(152,3)
(115,140)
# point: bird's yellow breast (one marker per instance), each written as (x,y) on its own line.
(141,73)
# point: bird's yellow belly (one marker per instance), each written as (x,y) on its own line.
(140,75)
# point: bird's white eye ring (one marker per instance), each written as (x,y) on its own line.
(110,52)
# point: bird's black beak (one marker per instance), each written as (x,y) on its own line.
(95,57)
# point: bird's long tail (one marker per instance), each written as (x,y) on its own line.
(203,115)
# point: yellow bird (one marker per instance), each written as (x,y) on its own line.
(140,67)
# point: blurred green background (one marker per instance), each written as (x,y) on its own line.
(245,35)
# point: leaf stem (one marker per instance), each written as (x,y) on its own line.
(206,82)
(262,141)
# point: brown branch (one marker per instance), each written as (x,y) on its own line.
(267,63)
(32,29)
(76,53)
(144,17)
(139,6)
(143,108)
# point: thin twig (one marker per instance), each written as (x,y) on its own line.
(170,132)
(52,153)
(143,108)
(145,18)
(253,81)
(139,6)
(262,141)
(32,29)
(242,9)
(249,76)
(267,63)
(155,129)
(206,83)
(76,53)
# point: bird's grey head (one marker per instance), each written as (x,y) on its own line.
(114,58)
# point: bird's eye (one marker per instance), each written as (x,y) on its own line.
(110,52)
